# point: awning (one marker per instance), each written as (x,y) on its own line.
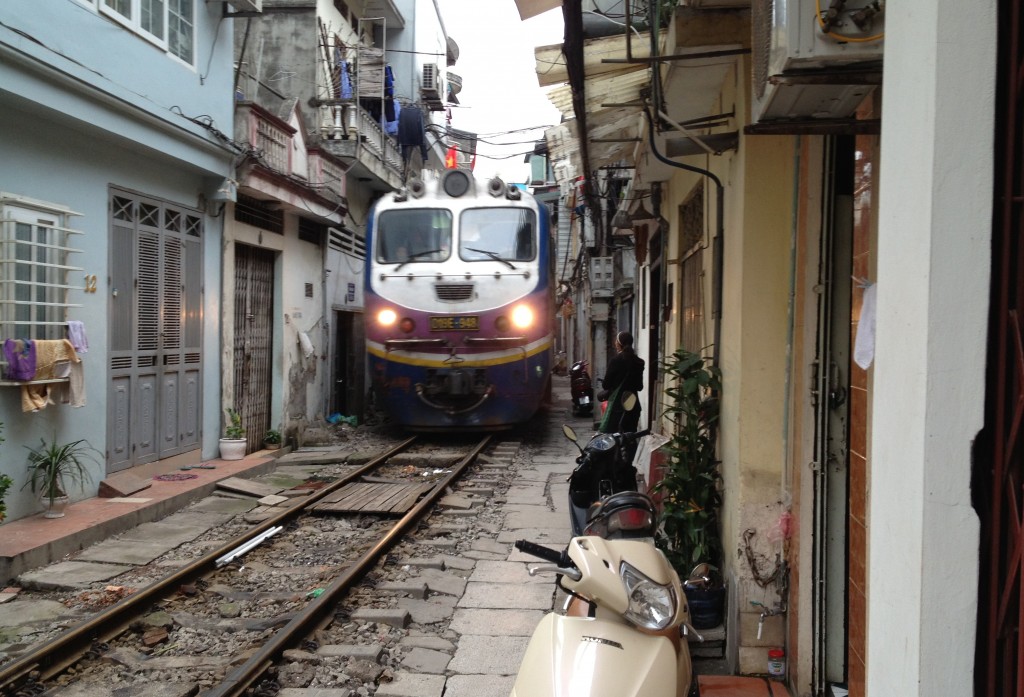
(532,8)
(616,124)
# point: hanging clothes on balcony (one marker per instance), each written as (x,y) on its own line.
(389,95)
(391,127)
(20,355)
(346,81)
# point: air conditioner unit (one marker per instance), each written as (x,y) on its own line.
(246,5)
(809,66)
(430,87)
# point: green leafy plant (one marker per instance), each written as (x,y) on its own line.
(691,486)
(273,437)
(5,484)
(54,466)
(234,429)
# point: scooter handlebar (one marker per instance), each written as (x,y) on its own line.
(540,552)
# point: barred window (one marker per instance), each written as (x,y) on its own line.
(35,249)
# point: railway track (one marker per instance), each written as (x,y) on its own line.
(275,590)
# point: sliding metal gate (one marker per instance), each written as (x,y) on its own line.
(254,343)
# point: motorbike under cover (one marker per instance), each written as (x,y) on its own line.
(590,657)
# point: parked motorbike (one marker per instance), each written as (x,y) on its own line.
(604,467)
(581,389)
(619,633)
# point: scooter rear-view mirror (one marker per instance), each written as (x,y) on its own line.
(569,433)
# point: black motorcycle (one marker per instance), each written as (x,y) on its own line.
(604,467)
(581,389)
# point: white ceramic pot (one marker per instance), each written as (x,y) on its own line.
(232,448)
(55,506)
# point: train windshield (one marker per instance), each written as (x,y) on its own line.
(420,234)
(505,234)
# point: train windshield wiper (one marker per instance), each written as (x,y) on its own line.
(492,255)
(417,255)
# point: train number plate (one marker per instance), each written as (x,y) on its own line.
(464,323)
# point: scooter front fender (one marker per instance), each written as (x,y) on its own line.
(588,657)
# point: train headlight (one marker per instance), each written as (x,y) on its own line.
(386,318)
(522,316)
(502,324)
(407,325)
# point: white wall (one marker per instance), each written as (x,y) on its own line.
(928,377)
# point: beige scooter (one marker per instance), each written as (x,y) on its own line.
(627,642)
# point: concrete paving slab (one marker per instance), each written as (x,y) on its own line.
(248,486)
(491,546)
(421,660)
(488,655)
(505,572)
(492,622)
(412,685)
(177,529)
(549,537)
(507,596)
(435,643)
(223,505)
(315,692)
(25,612)
(442,582)
(479,686)
(539,518)
(432,611)
(117,551)
(363,652)
(305,457)
(68,575)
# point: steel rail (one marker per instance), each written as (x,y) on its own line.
(312,617)
(66,649)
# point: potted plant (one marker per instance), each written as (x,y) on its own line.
(690,488)
(272,440)
(53,467)
(233,444)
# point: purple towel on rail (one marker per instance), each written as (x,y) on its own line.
(21,359)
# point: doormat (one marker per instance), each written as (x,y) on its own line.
(175,477)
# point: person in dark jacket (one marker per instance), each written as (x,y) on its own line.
(625,374)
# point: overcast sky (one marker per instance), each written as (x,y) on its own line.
(500,92)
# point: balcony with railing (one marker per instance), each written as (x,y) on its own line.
(269,136)
(350,133)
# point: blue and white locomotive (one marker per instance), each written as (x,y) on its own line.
(459,303)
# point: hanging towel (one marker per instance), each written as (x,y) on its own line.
(20,355)
(305,344)
(51,359)
(864,345)
(76,334)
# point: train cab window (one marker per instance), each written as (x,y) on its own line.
(503,234)
(421,234)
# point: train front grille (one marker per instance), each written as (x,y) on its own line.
(453,292)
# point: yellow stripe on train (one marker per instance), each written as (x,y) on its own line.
(431,360)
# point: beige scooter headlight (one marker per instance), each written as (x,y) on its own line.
(651,605)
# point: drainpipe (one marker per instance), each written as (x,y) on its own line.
(717,244)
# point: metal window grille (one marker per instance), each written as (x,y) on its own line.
(347,241)
(257,213)
(35,252)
